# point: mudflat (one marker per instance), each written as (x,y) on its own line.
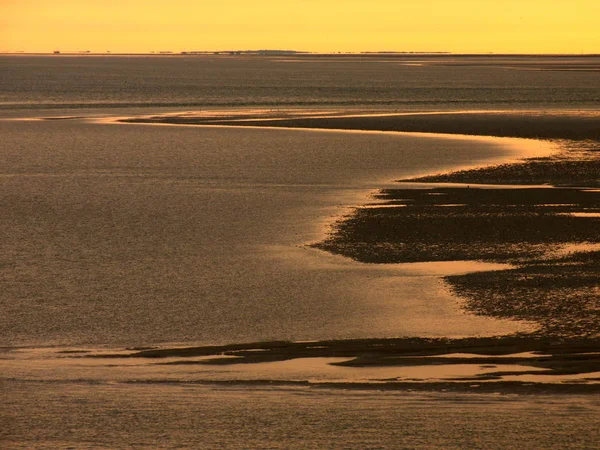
(542,221)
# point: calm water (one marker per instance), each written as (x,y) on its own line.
(440,83)
(134,235)
(172,416)
(120,235)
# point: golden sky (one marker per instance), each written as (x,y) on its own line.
(460,26)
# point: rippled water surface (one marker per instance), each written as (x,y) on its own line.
(403,82)
(133,234)
(129,235)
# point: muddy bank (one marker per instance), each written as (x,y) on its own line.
(530,357)
(576,164)
(450,224)
(555,125)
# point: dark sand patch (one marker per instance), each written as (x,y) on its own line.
(556,358)
(539,171)
(561,295)
(451,224)
(577,164)
(556,125)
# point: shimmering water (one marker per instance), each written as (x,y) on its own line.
(117,235)
(136,235)
(178,81)
(173,416)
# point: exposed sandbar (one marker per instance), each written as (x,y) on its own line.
(563,366)
(555,125)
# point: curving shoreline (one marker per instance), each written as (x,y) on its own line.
(549,236)
(576,132)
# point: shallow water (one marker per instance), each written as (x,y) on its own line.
(135,235)
(174,416)
(446,83)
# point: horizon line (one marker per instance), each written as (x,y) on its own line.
(270,52)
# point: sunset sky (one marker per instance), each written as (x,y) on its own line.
(460,26)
